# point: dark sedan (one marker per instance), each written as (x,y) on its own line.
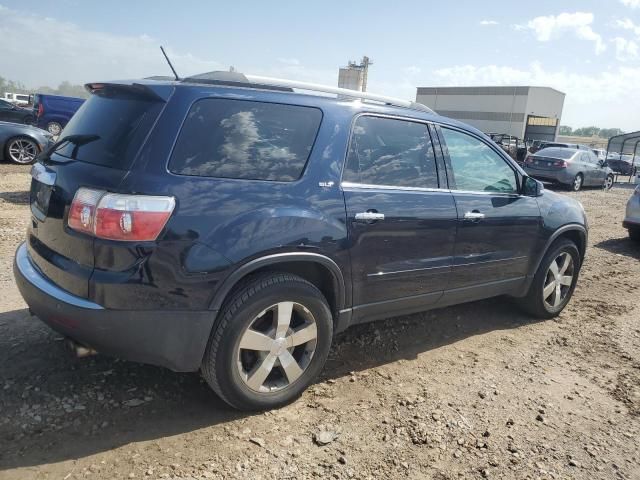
(14,113)
(22,143)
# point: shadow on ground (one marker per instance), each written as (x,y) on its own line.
(19,198)
(36,369)
(621,246)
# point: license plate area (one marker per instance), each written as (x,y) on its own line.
(42,184)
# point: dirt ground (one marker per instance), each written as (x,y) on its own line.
(474,391)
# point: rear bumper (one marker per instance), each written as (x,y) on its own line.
(559,176)
(172,339)
(631,224)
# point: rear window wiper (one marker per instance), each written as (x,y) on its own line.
(76,140)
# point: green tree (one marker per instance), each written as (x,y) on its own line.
(586,131)
(565,130)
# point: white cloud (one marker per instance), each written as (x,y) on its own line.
(631,3)
(546,28)
(50,51)
(608,93)
(625,49)
(488,23)
(627,24)
(412,70)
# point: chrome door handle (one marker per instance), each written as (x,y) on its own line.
(369,216)
(473,216)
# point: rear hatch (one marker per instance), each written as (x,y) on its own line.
(96,150)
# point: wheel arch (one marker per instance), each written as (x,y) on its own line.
(318,269)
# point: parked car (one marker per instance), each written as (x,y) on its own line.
(231,225)
(14,113)
(21,99)
(632,217)
(22,143)
(515,147)
(574,168)
(535,148)
(53,112)
(622,164)
(600,153)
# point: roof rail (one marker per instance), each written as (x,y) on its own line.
(314,87)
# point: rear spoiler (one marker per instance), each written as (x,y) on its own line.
(155,93)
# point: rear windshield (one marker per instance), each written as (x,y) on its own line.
(120,123)
(246,140)
(557,152)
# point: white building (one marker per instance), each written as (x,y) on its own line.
(530,113)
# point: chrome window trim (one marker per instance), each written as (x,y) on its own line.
(391,187)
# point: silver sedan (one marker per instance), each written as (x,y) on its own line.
(568,166)
(632,217)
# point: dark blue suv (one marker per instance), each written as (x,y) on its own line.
(233,227)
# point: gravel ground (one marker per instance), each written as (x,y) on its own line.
(474,391)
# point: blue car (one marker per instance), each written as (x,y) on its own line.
(233,224)
(53,112)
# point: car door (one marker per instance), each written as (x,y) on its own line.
(8,113)
(498,228)
(401,223)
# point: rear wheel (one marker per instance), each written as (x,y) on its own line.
(634,234)
(21,150)
(554,281)
(576,185)
(54,128)
(272,341)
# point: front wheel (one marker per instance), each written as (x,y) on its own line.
(608,182)
(21,150)
(272,340)
(554,281)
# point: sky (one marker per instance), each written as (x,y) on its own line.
(589,49)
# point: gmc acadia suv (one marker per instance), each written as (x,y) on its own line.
(232,226)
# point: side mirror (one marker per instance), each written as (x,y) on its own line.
(531,187)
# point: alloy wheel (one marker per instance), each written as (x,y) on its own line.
(577,183)
(54,128)
(22,150)
(608,183)
(277,347)
(558,281)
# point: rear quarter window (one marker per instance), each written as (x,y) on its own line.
(245,140)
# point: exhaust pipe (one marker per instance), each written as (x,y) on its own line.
(80,351)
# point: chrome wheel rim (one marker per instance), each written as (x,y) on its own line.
(277,347)
(54,128)
(558,281)
(22,150)
(577,182)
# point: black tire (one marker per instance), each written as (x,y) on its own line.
(16,144)
(28,120)
(634,234)
(608,182)
(220,366)
(578,182)
(533,302)
(54,128)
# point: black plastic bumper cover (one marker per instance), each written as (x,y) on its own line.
(172,339)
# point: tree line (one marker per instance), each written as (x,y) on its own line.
(65,88)
(590,131)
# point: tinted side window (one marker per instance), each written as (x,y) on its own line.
(476,167)
(245,139)
(385,151)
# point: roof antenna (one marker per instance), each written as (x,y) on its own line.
(169,62)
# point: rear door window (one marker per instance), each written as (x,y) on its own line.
(245,140)
(391,152)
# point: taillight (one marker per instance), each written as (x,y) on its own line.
(560,163)
(529,159)
(114,216)
(40,109)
